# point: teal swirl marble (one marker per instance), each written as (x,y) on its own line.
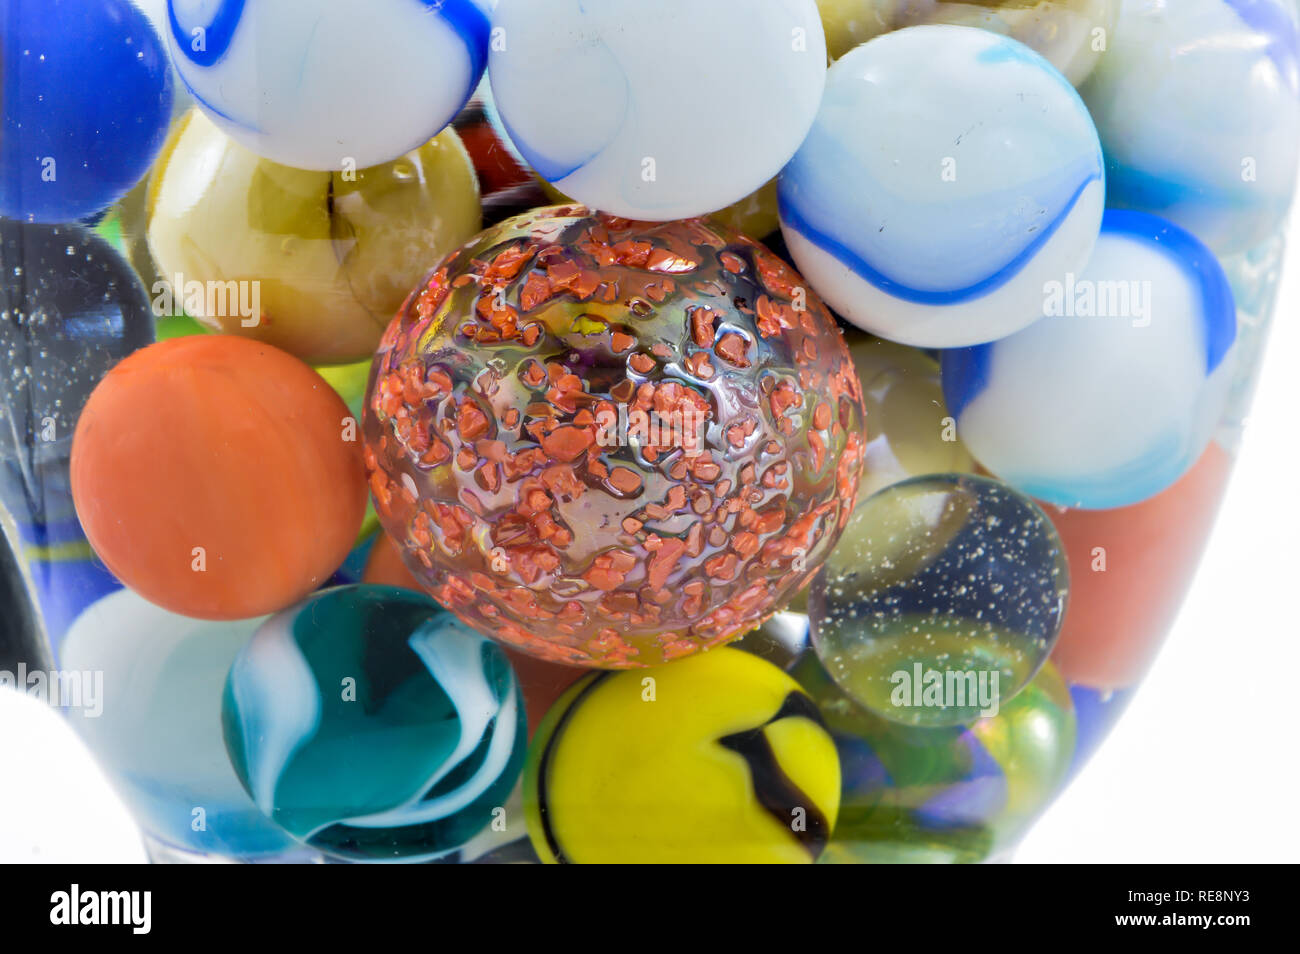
(371,724)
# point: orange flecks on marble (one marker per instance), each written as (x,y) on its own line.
(488,417)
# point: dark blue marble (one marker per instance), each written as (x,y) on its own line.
(86,94)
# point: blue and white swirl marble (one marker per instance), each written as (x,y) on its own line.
(1111,398)
(321,84)
(1198,107)
(949,174)
(660,110)
(158,734)
(371,724)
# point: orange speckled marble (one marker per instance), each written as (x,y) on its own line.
(613,443)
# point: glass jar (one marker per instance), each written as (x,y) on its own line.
(823,497)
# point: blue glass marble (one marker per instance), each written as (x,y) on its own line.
(1113,396)
(942,599)
(949,174)
(373,725)
(158,732)
(319,84)
(1212,144)
(86,94)
(964,793)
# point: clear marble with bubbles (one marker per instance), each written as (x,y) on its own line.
(657,111)
(1114,397)
(1198,107)
(943,598)
(988,184)
(70,309)
(372,725)
(317,84)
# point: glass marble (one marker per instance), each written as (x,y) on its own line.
(964,793)
(658,111)
(158,732)
(1096,712)
(506,184)
(218,477)
(941,601)
(909,430)
(1071,34)
(1115,395)
(781,639)
(755,215)
(66,574)
(23,638)
(505,841)
(1256,278)
(1213,144)
(1130,568)
(315,84)
(70,309)
(720,758)
(988,185)
(371,724)
(330,256)
(613,443)
(541,682)
(86,93)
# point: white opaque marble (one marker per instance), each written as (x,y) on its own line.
(158,735)
(1113,396)
(319,84)
(950,173)
(660,110)
(1198,107)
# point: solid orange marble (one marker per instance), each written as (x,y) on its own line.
(218,477)
(1118,616)
(542,682)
